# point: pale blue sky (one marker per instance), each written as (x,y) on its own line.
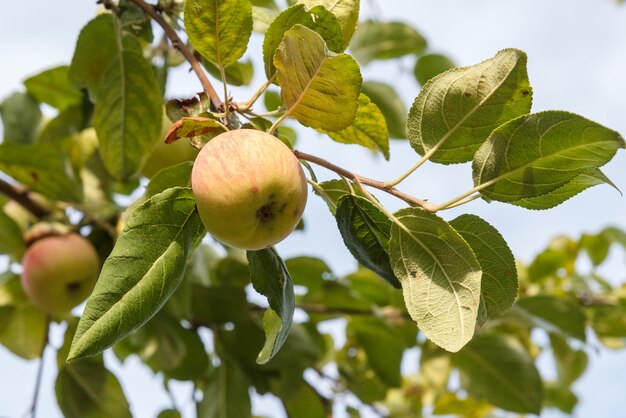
(577,62)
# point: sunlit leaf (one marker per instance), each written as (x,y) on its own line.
(368,129)
(457,110)
(319,90)
(20,118)
(346,11)
(54,88)
(555,314)
(439,274)
(317,18)
(430,65)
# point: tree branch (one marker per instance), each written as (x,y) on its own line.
(413,201)
(22,196)
(177,43)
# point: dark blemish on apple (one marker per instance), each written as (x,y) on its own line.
(282,208)
(73,287)
(254,190)
(266,212)
(296,211)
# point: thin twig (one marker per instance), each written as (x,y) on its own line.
(33,407)
(177,43)
(22,196)
(411,200)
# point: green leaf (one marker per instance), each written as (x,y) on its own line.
(176,176)
(86,389)
(390,104)
(385,40)
(11,241)
(54,88)
(331,191)
(580,183)
(128,113)
(383,345)
(570,363)
(96,47)
(21,117)
(319,90)
(368,129)
(317,18)
(194,106)
(365,231)
(42,168)
(346,11)
(555,314)
(439,274)
(309,272)
(270,278)
(22,329)
(219,304)
(219,29)
(457,110)
(137,279)
(499,369)
(306,403)
(498,288)
(537,154)
(226,393)
(430,65)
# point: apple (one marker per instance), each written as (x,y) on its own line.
(250,189)
(59,272)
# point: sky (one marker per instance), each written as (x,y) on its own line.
(576,62)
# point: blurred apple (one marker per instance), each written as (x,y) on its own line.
(59,272)
(250,189)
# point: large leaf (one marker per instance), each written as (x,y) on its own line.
(555,314)
(439,274)
(128,113)
(42,168)
(368,129)
(54,88)
(137,279)
(22,329)
(86,389)
(383,345)
(346,11)
(498,288)
(499,369)
(270,278)
(226,393)
(97,45)
(456,111)
(319,90)
(390,104)
(428,66)
(219,29)
(20,118)
(365,231)
(317,18)
(306,403)
(537,154)
(385,40)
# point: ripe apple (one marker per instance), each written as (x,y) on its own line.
(250,189)
(59,272)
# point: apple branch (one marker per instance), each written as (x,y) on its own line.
(380,185)
(154,14)
(22,196)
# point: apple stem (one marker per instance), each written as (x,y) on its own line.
(33,406)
